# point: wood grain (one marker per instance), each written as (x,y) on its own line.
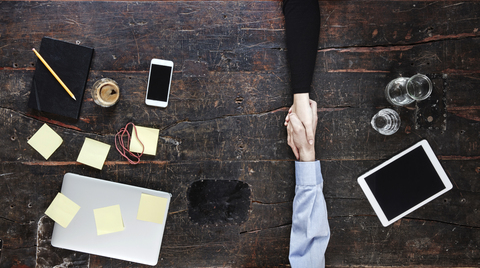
(230,94)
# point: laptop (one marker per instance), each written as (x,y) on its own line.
(139,242)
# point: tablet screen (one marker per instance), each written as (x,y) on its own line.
(404,183)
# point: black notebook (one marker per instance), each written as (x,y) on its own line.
(71,63)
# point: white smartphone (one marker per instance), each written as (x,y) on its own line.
(159,81)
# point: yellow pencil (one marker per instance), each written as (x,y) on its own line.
(54,74)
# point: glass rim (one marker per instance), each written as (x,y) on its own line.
(389,97)
(382,113)
(430,87)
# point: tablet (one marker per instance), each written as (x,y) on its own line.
(404,183)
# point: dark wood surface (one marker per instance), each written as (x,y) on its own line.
(230,93)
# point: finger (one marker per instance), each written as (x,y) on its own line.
(298,127)
(290,141)
(289,135)
(287,119)
(296,122)
(305,126)
(294,149)
(295,129)
(296,153)
(310,134)
(313,105)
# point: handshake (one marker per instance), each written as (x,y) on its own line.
(301,123)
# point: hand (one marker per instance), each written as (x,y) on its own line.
(307,113)
(297,140)
(302,107)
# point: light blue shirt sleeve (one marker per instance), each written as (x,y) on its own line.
(310,231)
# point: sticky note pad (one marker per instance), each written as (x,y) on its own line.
(149,138)
(152,208)
(62,210)
(93,153)
(45,141)
(108,220)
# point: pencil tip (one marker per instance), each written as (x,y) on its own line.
(74,98)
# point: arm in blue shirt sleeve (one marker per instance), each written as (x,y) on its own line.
(310,231)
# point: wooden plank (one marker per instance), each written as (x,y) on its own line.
(392,23)
(343,134)
(434,243)
(462,97)
(219,95)
(127,35)
(192,99)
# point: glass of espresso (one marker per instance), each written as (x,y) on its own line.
(105,92)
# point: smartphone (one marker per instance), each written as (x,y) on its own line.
(159,81)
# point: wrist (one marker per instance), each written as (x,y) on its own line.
(307,155)
(301,98)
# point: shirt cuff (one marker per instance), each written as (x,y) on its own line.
(308,173)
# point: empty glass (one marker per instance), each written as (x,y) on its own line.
(396,92)
(419,87)
(386,121)
(403,90)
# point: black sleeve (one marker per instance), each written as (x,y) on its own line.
(302,27)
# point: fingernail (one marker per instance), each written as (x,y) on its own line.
(311,142)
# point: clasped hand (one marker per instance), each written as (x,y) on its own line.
(301,122)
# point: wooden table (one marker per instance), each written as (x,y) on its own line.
(230,93)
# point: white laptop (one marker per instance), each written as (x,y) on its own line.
(139,242)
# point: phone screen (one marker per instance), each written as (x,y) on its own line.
(159,82)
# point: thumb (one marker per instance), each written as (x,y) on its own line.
(310,135)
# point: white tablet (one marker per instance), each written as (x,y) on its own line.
(404,183)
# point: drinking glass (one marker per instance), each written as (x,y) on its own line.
(396,92)
(386,121)
(105,92)
(419,87)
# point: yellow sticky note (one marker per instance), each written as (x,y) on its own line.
(62,210)
(45,141)
(93,153)
(149,138)
(108,220)
(152,208)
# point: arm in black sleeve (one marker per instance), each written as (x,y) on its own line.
(302,27)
